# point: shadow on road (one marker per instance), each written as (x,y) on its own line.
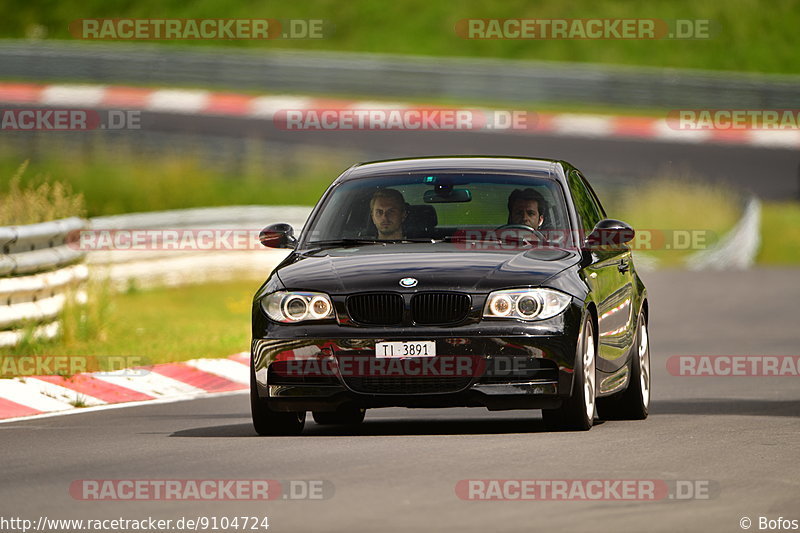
(379,426)
(231,430)
(389,427)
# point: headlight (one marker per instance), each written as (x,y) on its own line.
(526,304)
(501,305)
(296,306)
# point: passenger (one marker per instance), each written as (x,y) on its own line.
(388,212)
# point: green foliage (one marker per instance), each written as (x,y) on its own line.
(780,233)
(668,203)
(158,325)
(86,321)
(749,35)
(113,183)
(38,200)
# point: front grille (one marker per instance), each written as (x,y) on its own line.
(408,385)
(439,307)
(380,309)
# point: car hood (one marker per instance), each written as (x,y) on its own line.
(439,266)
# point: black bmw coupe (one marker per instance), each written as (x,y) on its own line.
(490,282)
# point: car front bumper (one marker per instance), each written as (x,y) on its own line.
(510,366)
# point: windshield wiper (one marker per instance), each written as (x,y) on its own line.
(346,242)
(517,240)
(354,242)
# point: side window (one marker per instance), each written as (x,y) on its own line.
(589,210)
(595,198)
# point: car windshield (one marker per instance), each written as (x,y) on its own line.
(437,206)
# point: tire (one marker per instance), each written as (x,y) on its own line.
(634,402)
(577,412)
(342,417)
(272,423)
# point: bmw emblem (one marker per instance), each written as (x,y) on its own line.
(408,282)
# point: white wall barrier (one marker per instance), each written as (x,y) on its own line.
(213,244)
(41,264)
(38,272)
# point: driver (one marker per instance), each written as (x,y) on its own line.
(388,212)
(526,207)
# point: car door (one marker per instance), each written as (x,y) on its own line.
(610,278)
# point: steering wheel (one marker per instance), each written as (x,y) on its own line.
(539,235)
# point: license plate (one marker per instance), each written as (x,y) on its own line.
(405,349)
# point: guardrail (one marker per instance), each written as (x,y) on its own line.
(148,265)
(737,250)
(41,264)
(38,270)
(396,76)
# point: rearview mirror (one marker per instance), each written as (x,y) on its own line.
(444,193)
(609,232)
(278,236)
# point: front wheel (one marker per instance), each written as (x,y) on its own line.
(577,412)
(272,423)
(634,402)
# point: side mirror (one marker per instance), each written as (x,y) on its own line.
(609,232)
(278,236)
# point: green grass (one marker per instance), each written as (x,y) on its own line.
(111,183)
(780,233)
(39,200)
(687,205)
(750,35)
(159,325)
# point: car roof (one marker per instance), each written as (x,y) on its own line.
(455,163)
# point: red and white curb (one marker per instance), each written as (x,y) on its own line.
(34,396)
(200,102)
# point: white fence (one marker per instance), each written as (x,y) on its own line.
(153,265)
(38,270)
(42,264)
(738,248)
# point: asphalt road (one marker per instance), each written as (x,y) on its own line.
(399,470)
